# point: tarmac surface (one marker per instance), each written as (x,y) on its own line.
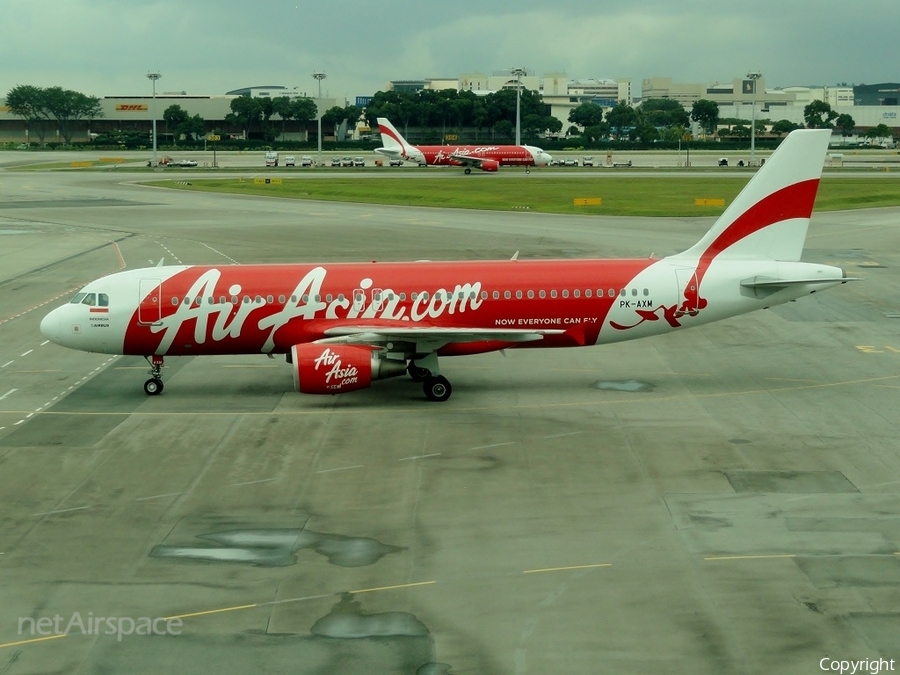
(721,500)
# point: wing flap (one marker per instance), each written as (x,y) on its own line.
(374,335)
(467,160)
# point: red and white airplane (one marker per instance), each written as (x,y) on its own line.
(484,157)
(341,326)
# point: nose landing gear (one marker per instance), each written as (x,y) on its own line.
(154,386)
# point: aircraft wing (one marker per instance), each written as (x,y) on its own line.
(431,338)
(467,160)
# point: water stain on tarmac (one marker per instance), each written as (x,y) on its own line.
(346,620)
(276,547)
(623,385)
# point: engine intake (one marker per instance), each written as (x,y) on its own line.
(335,369)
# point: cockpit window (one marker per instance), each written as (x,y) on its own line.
(90,299)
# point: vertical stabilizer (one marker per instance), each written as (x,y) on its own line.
(393,142)
(769,218)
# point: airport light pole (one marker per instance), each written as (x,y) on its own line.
(153,77)
(319,77)
(753,77)
(518,72)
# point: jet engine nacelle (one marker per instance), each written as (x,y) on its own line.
(335,369)
(490,165)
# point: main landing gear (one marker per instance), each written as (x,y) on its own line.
(154,386)
(436,387)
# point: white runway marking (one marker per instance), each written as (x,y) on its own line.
(254,482)
(48,513)
(169,494)
(343,468)
(433,454)
(492,445)
(7,394)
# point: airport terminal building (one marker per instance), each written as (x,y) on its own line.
(135,113)
(868,105)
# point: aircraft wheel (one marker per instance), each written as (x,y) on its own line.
(416,373)
(527,170)
(468,171)
(153,387)
(437,388)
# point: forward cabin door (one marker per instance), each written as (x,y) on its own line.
(150,302)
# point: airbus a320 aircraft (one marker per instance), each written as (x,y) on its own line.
(484,157)
(341,326)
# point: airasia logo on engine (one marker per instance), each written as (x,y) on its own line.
(335,372)
(331,370)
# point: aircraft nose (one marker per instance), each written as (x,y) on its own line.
(50,326)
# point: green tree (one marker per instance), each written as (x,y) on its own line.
(782,127)
(644,132)
(68,107)
(64,106)
(846,124)
(586,115)
(245,112)
(880,131)
(621,119)
(504,129)
(706,114)
(193,128)
(597,132)
(664,112)
(818,115)
(174,116)
(27,101)
(301,109)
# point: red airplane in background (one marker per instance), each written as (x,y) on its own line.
(343,325)
(484,157)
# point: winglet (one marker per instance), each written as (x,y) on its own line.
(161,261)
(515,256)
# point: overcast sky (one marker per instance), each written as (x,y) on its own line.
(106,47)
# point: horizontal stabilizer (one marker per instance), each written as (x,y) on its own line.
(774,284)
